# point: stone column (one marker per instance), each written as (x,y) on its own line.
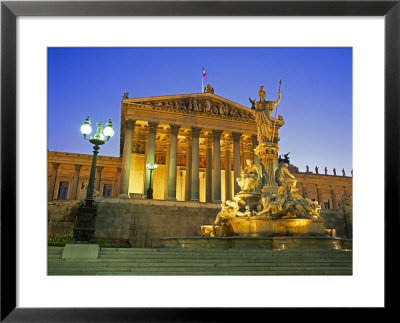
(53,181)
(151,154)
(333,194)
(172,162)
(126,159)
(318,194)
(228,175)
(75,183)
(118,182)
(217,164)
(304,190)
(346,192)
(267,153)
(188,178)
(236,159)
(209,171)
(99,169)
(194,190)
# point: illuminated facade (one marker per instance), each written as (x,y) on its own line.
(200,142)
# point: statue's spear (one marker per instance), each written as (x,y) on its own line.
(276,111)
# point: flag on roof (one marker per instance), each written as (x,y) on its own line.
(204,73)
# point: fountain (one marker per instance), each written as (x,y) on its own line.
(268,212)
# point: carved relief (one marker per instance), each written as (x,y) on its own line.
(202,106)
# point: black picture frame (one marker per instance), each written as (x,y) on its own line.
(10,10)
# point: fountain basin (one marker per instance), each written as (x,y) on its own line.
(260,226)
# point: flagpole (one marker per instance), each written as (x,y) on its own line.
(202,77)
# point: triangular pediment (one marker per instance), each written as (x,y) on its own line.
(197,103)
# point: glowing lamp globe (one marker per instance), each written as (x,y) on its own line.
(86,129)
(108,130)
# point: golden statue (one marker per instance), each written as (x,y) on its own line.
(263,110)
(249,177)
(228,210)
(284,177)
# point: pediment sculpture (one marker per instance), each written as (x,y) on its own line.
(201,106)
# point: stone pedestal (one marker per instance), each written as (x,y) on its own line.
(266,153)
(251,199)
(80,251)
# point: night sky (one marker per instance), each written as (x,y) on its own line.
(316,90)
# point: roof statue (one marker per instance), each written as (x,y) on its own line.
(208,89)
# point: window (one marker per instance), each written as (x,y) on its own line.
(107,189)
(326,205)
(63,191)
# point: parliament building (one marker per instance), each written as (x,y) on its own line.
(199,143)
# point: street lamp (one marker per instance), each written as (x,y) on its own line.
(99,138)
(84,226)
(150,167)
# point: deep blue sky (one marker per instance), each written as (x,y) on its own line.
(316,92)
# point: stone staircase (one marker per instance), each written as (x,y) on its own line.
(174,261)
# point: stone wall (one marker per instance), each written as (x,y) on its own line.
(61,217)
(141,223)
(136,223)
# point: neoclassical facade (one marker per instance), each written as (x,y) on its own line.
(200,142)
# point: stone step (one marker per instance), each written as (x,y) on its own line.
(228,251)
(163,261)
(157,265)
(233,251)
(201,273)
(226,258)
(188,260)
(215,269)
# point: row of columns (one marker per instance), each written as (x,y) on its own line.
(319,194)
(213,162)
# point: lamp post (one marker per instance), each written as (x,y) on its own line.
(85,222)
(150,167)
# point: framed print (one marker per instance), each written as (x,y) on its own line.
(370,31)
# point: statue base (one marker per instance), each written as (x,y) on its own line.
(251,199)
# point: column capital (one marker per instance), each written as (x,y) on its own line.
(129,124)
(174,129)
(217,134)
(152,126)
(196,132)
(77,166)
(227,145)
(99,168)
(236,136)
(56,165)
(188,141)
